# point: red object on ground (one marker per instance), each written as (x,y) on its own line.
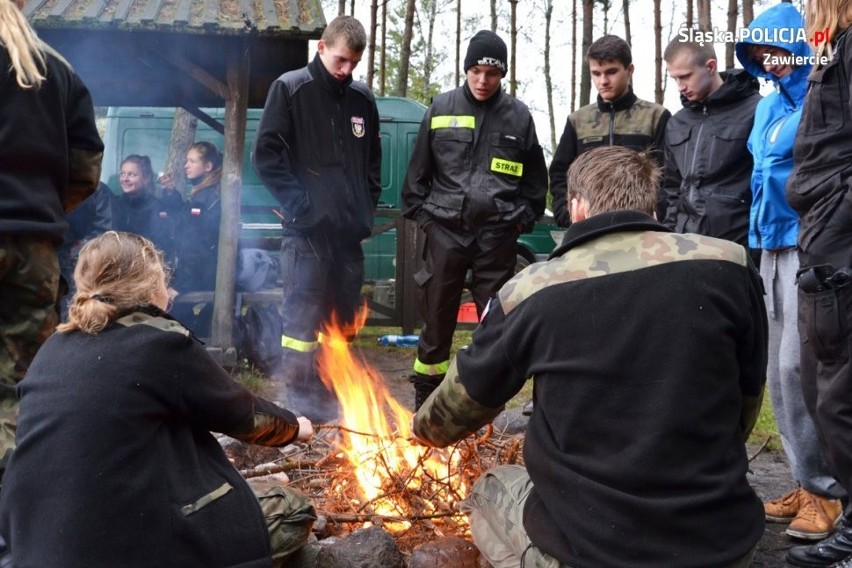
(467,313)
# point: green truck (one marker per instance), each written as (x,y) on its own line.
(147,131)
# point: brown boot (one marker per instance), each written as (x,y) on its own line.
(785,508)
(817,517)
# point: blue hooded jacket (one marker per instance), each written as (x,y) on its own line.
(773,224)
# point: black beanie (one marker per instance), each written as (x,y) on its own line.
(486,48)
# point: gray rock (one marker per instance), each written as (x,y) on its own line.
(365,548)
(511,421)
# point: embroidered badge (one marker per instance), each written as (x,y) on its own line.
(358,126)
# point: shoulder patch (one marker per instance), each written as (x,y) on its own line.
(614,253)
(163,324)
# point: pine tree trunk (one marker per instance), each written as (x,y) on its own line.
(705,22)
(405,49)
(429,60)
(585,77)
(341,7)
(493,9)
(748,12)
(658,53)
(383,66)
(548,80)
(573,56)
(733,12)
(690,16)
(183,136)
(626,9)
(458,42)
(371,48)
(514,39)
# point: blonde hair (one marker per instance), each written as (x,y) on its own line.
(835,15)
(615,178)
(26,51)
(115,272)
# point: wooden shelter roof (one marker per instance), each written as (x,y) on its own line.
(292,18)
(176,52)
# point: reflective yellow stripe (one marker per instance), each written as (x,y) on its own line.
(452,121)
(431,370)
(507,167)
(298,344)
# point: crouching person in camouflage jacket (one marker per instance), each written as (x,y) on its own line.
(648,354)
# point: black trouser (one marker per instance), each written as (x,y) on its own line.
(322,279)
(825,326)
(491,257)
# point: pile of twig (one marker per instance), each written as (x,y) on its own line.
(415,505)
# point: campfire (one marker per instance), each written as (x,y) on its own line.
(368,471)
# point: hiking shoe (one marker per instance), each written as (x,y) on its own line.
(785,508)
(817,517)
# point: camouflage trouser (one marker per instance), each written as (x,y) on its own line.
(289,518)
(496,509)
(29,283)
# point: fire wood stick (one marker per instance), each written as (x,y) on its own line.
(268,469)
(349,518)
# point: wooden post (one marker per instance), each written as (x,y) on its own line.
(236,109)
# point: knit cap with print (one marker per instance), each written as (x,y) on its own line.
(486,48)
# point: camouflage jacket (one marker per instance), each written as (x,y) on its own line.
(648,354)
(627,121)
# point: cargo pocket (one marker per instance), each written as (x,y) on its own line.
(825,325)
(205,500)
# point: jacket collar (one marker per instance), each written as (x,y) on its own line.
(623,102)
(738,85)
(488,102)
(328,82)
(604,224)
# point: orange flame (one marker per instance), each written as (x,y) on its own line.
(377,437)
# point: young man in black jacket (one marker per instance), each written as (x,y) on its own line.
(318,151)
(707,183)
(635,449)
(476,180)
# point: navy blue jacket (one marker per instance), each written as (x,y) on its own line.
(318,152)
(50,150)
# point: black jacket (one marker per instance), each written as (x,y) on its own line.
(636,444)
(627,121)
(115,464)
(318,152)
(476,164)
(197,241)
(819,185)
(708,165)
(50,150)
(144,214)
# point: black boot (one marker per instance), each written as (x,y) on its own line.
(424,385)
(834,549)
